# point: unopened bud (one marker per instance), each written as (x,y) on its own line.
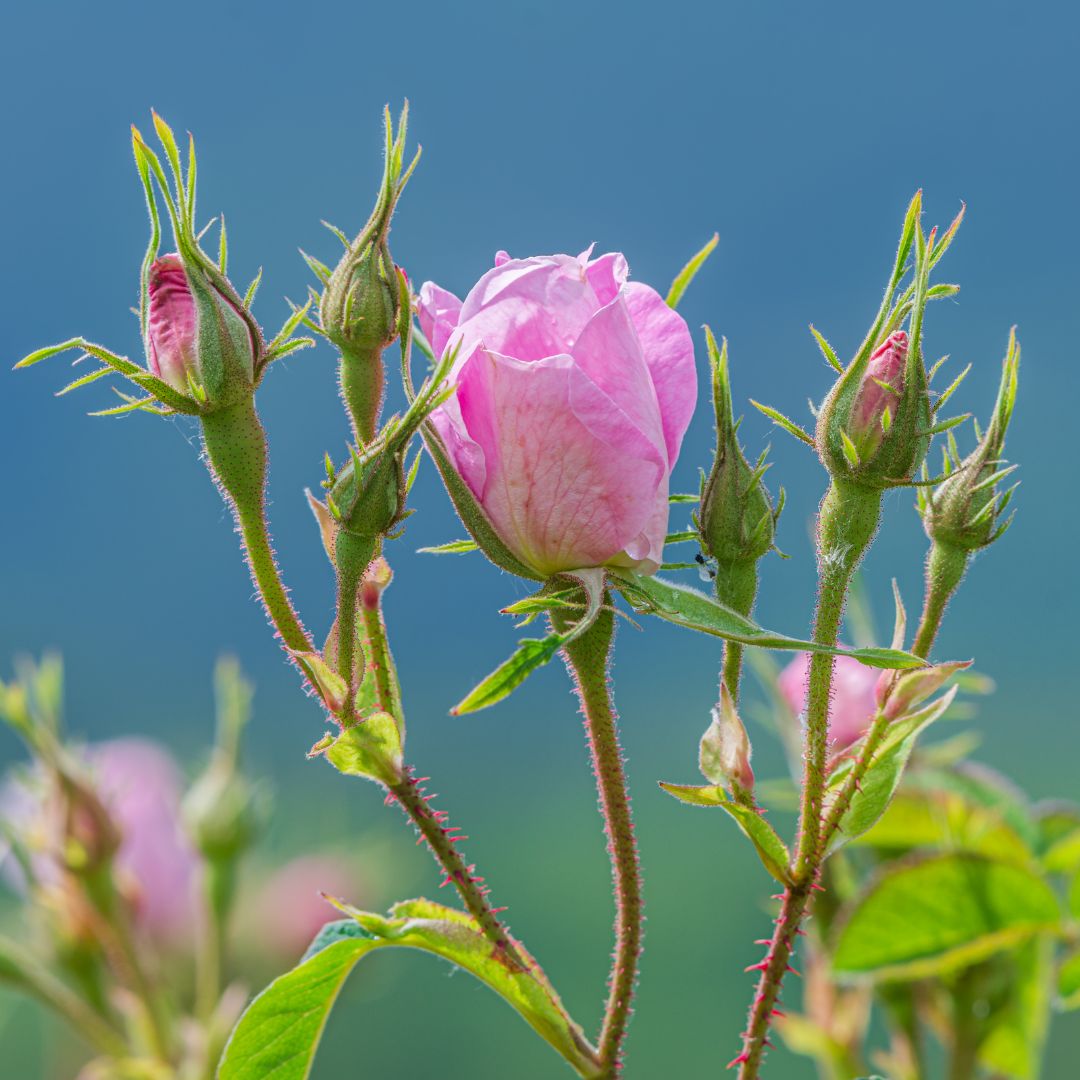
(196,339)
(879,394)
(965,511)
(223,812)
(724,754)
(737,522)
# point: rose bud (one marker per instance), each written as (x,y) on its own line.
(360,306)
(737,522)
(196,339)
(574,390)
(879,394)
(724,753)
(965,511)
(853,702)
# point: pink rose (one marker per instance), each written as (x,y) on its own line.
(853,700)
(574,390)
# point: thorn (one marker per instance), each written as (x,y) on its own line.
(758,967)
(797,974)
(763,941)
(779,1012)
(816,887)
(742,1059)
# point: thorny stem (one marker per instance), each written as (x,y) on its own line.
(587,659)
(846,525)
(432,826)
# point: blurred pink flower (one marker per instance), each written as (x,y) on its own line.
(853,701)
(575,388)
(140,785)
(291,908)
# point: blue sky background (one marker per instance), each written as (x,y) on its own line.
(799,132)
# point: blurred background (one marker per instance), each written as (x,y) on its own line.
(799,133)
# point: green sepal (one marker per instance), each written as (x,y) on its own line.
(771,849)
(687,274)
(694,610)
(280,1030)
(454,547)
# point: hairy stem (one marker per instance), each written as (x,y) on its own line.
(236,451)
(846,525)
(945,568)
(474,894)
(361,379)
(587,659)
(736,586)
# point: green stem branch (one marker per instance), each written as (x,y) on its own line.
(587,658)
(236,451)
(945,568)
(474,895)
(846,525)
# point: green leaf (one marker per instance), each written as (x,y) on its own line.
(531,653)
(278,1034)
(371,749)
(935,914)
(280,1030)
(1063,856)
(983,787)
(944,821)
(455,547)
(688,607)
(1013,1044)
(882,777)
(771,849)
(1068,984)
(689,272)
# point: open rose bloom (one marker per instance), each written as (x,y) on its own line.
(574,390)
